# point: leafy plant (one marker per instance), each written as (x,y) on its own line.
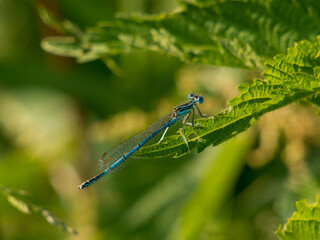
(215,33)
(288,79)
(210,32)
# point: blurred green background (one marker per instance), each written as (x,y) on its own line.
(57,117)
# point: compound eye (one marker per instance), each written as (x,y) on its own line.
(200,99)
(191,96)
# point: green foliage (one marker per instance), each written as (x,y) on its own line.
(26,207)
(304,223)
(289,78)
(210,32)
(221,199)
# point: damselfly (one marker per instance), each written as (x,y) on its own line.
(119,154)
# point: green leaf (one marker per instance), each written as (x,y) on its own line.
(14,198)
(304,223)
(205,31)
(289,79)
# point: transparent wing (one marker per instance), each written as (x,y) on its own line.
(125,147)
